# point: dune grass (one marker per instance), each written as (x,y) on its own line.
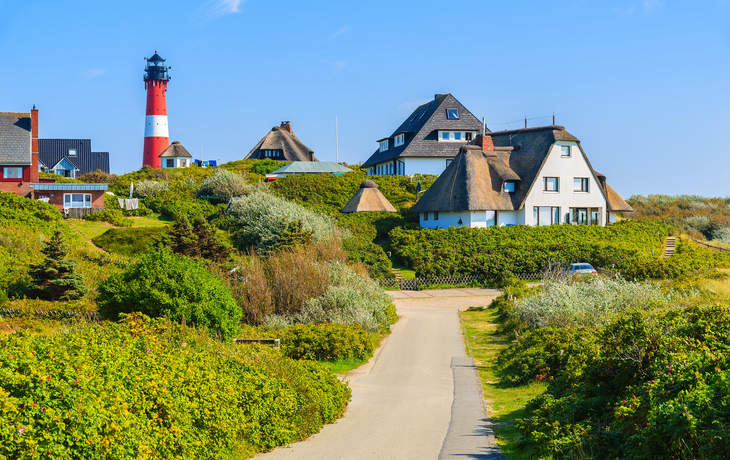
(505,403)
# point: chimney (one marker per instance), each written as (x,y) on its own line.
(34,145)
(485,142)
(287,125)
(436,96)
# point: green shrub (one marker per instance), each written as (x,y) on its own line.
(165,284)
(112,216)
(261,218)
(151,389)
(147,188)
(350,298)
(224,183)
(56,278)
(326,342)
(131,241)
(645,386)
(267,166)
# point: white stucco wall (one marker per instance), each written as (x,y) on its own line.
(447,219)
(566,169)
(425,165)
(611,217)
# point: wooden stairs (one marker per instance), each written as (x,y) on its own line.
(670,246)
(397,274)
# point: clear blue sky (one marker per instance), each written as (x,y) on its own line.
(642,83)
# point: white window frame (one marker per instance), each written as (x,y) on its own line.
(383,145)
(399,140)
(68,199)
(444,136)
(72,152)
(453,110)
(510,186)
(565,151)
(17,169)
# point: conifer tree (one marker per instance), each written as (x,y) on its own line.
(55,278)
(210,245)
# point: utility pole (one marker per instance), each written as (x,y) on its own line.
(337,143)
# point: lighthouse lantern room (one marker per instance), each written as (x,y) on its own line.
(156,135)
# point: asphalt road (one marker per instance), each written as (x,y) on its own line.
(419,398)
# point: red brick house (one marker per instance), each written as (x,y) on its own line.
(19,167)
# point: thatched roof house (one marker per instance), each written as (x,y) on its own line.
(175,156)
(281,144)
(368,199)
(533,176)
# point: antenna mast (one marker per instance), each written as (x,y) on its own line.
(337,143)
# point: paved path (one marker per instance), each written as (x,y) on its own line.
(418,398)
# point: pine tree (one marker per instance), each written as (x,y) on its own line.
(180,238)
(210,245)
(55,278)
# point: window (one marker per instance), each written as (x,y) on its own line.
(448,162)
(384,145)
(457,136)
(491,218)
(509,186)
(579,216)
(467,136)
(564,150)
(425,216)
(435,215)
(595,216)
(551,184)
(580,184)
(546,215)
(452,114)
(398,141)
(76,200)
(444,135)
(72,152)
(11,172)
(170,163)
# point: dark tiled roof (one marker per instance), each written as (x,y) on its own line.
(15,138)
(421,132)
(51,151)
(280,138)
(175,150)
(155,57)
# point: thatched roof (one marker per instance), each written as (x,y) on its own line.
(175,150)
(473,181)
(421,129)
(615,203)
(281,138)
(368,199)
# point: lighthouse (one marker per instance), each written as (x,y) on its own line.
(156,137)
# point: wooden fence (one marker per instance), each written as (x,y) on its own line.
(415,284)
(79,213)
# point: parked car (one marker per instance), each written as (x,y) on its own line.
(581,268)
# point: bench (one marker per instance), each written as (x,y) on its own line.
(273,342)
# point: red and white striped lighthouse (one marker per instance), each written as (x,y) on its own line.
(156,136)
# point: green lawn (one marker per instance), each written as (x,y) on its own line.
(91,229)
(504,403)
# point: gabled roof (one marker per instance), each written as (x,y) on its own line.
(473,181)
(175,150)
(51,151)
(15,138)
(62,160)
(421,131)
(368,199)
(280,138)
(311,167)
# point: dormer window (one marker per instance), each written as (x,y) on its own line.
(510,186)
(452,114)
(383,145)
(399,140)
(564,150)
(445,136)
(72,152)
(456,136)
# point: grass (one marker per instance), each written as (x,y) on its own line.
(343,366)
(505,403)
(91,229)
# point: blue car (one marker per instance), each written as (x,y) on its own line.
(581,268)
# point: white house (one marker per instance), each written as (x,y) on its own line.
(532,176)
(175,156)
(427,141)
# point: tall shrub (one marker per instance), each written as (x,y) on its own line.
(165,284)
(56,278)
(224,183)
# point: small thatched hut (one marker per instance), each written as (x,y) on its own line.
(368,199)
